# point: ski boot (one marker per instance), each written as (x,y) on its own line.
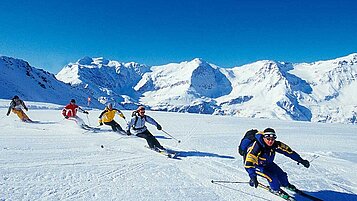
(291,187)
(280,193)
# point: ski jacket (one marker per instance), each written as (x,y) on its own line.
(137,123)
(108,115)
(17,104)
(70,110)
(261,155)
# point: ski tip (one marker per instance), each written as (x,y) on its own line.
(102,146)
(212,181)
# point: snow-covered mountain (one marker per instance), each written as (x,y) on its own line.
(105,80)
(322,91)
(17,77)
(319,92)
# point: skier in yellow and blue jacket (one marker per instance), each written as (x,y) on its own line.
(259,160)
(107,117)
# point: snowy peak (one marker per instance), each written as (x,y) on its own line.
(322,91)
(195,77)
(264,89)
(17,77)
(85,61)
(209,81)
(105,79)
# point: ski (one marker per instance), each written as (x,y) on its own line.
(163,152)
(89,128)
(284,195)
(302,193)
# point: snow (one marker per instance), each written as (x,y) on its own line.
(55,160)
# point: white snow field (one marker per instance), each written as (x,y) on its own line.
(53,159)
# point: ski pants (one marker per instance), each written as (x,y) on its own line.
(115,126)
(151,140)
(78,121)
(21,114)
(274,174)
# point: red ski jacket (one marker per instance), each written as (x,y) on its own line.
(70,110)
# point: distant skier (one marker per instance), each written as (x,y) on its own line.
(70,112)
(107,117)
(16,106)
(137,125)
(259,160)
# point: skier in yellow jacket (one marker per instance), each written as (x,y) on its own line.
(16,106)
(107,117)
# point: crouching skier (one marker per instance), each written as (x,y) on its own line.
(107,117)
(137,125)
(16,106)
(70,112)
(259,160)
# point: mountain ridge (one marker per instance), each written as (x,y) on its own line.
(321,91)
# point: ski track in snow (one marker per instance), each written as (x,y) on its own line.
(53,159)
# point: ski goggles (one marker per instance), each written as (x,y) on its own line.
(270,136)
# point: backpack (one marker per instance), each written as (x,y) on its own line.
(135,114)
(247,140)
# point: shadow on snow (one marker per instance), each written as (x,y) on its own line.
(327,195)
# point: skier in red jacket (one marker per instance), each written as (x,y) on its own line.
(70,112)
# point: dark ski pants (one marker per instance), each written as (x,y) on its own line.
(151,140)
(115,126)
(274,174)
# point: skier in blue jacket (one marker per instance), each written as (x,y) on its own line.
(259,160)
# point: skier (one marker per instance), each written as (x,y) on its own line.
(137,125)
(107,117)
(259,160)
(70,112)
(16,106)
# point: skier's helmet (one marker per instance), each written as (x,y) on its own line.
(73,101)
(269,132)
(110,105)
(15,97)
(140,108)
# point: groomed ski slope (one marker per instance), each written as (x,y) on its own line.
(55,160)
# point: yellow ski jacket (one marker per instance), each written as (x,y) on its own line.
(108,115)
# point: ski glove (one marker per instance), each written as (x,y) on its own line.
(253,182)
(7,114)
(100,124)
(159,127)
(305,163)
(122,115)
(66,117)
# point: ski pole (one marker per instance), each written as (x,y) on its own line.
(230,182)
(102,146)
(179,141)
(314,157)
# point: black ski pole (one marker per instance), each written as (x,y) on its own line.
(231,182)
(102,146)
(314,157)
(179,141)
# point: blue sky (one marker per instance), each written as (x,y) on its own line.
(49,34)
